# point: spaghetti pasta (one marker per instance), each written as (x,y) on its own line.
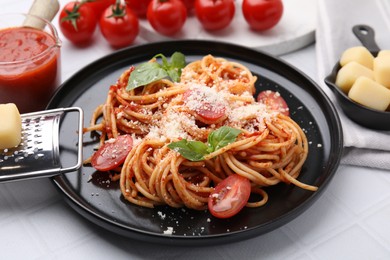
(212,92)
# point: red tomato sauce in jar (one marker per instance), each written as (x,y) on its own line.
(29,67)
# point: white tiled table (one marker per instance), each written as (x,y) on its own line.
(349,221)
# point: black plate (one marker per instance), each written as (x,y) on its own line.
(100,201)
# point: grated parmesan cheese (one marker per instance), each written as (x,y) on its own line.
(169,231)
(199,95)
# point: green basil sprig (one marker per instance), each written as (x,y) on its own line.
(149,72)
(196,150)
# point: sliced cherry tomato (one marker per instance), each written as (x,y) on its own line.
(119,25)
(112,153)
(77,22)
(166,16)
(229,196)
(210,112)
(262,15)
(99,6)
(274,101)
(139,7)
(214,14)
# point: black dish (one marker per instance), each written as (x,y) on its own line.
(374,119)
(91,195)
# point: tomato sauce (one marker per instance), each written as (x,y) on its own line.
(29,67)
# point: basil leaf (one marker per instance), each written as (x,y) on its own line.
(178,60)
(191,150)
(222,137)
(174,67)
(149,72)
(196,150)
(174,74)
(144,74)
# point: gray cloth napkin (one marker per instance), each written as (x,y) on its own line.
(363,147)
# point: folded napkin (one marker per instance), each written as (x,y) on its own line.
(363,147)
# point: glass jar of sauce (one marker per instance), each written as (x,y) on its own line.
(30,62)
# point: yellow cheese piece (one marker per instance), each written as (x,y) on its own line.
(382,70)
(383,53)
(359,54)
(369,93)
(10,127)
(347,75)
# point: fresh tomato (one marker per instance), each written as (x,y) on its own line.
(119,25)
(166,16)
(112,153)
(229,196)
(214,14)
(139,7)
(189,4)
(77,22)
(274,101)
(99,6)
(262,15)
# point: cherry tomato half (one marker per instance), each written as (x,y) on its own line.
(139,7)
(77,22)
(262,15)
(229,196)
(209,113)
(112,153)
(166,16)
(274,101)
(119,26)
(215,14)
(99,6)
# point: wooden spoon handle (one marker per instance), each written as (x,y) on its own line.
(46,9)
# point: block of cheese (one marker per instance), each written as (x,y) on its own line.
(10,127)
(382,70)
(383,53)
(347,75)
(369,93)
(359,54)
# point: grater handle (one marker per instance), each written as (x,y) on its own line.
(79,141)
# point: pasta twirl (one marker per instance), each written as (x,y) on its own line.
(212,92)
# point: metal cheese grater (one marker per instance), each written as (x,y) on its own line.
(38,154)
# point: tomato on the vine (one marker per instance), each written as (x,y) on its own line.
(139,7)
(229,196)
(77,22)
(119,25)
(262,15)
(99,6)
(215,14)
(274,101)
(166,16)
(112,153)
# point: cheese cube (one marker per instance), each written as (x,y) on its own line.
(383,53)
(359,54)
(10,127)
(382,70)
(369,93)
(347,75)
